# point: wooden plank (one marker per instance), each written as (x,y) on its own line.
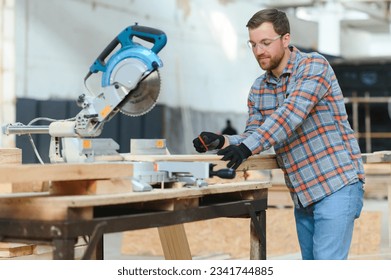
(377,157)
(84,187)
(11,250)
(85,171)
(367,99)
(89,187)
(63,172)
(13,156)
(256,162)
(377,169)
(10,156)
(174,242)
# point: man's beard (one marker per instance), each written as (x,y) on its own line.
(274,62)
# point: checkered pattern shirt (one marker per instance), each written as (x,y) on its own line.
(302,115)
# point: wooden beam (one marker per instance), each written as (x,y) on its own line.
(63,172)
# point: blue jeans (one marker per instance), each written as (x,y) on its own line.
(325,228)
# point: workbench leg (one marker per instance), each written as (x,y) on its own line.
(258,241)
(99,250)
(174,242)
(64,249)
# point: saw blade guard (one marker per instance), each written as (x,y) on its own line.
(130,49)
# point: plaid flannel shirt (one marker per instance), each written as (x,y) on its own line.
(302,115)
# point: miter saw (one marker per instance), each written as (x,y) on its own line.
(130,84)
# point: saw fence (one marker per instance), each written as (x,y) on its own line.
(90,199)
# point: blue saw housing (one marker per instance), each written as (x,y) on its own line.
(130,49)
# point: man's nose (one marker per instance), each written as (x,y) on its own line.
(258,50)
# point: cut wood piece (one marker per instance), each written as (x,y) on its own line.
(10,156)
(11,250)
(33,186)
(73,187)
(88,187)
(174,242)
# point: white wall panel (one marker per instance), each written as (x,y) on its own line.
(207,65)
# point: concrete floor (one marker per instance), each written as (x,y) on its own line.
(113,241)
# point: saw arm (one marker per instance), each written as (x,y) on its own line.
(125,75)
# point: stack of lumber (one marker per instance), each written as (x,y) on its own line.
(378,174)
(11,157)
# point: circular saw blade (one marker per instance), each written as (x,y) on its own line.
(143,98)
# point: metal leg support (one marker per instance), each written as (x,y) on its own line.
(64,249)
(258,233)
(96,239)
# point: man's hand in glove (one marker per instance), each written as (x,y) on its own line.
(235,154)
(208,141)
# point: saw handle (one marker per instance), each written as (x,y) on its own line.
(225,173)
(125,38)
(152,35)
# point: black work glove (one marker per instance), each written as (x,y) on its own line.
(208,141)
(236,154)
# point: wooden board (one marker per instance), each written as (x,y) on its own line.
(377,157)
(256,162)
(10,156)
(11,250)
(63,172)
(174,242)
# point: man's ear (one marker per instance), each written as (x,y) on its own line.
(286,39)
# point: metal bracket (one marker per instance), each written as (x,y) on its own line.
(96,236)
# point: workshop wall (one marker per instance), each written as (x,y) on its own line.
(208,68)
(58,40)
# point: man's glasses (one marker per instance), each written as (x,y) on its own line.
(264,44)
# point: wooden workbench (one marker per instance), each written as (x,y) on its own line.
(75,206)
